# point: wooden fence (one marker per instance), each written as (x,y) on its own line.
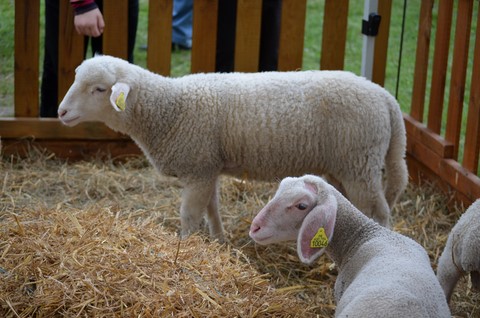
(429,154)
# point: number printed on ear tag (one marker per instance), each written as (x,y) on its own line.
(120,101)
(320,239)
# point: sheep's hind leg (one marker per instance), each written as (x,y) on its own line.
(196,198)
(369,198)
(213,215)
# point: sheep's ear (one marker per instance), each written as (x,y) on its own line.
(119,95)
(317,229)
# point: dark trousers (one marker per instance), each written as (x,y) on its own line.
(49,87)
(269,35)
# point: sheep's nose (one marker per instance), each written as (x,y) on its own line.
(254,228)
(62,112)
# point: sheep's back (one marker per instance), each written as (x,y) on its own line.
(385,266)
(277,124)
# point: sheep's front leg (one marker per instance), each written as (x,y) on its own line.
(196,198)
(214,220)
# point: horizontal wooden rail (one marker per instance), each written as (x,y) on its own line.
(87,140)
(52,128)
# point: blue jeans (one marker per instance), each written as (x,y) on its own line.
(182,22)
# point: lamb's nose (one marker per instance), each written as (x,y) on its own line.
(62,112)
(254,228)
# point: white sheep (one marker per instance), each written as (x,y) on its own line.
(264,126)
(461,254)
(381,273)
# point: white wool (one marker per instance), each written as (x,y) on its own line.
(381,273)
(461,254)
(262,126)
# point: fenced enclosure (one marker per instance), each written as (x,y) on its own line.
(435,124)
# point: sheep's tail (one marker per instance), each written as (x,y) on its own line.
(396,173)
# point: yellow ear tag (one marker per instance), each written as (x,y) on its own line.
(120,101)
(320,239)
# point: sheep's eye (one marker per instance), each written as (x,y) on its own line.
(302,206)
(99,89)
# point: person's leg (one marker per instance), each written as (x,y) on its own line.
(132,27)
(182,23)
(49,85)
(133,8)
(227,19)
(96,43)
(270,35)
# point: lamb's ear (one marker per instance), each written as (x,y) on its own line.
(119,95)
(317,228)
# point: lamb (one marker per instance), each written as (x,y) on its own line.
(381,273)
(262,126)
(461,254)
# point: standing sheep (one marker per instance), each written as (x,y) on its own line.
(264,126)
(381,273)
(462,252)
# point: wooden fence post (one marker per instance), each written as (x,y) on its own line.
(247,35)
(334,38)
(159,51)
(27,24)
(292,31)
(115,35)
(70,48)
(204,41)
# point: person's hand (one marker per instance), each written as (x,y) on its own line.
(90,23)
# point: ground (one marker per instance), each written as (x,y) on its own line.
(125,205)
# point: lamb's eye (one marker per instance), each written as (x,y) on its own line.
(100,89)
(302,206)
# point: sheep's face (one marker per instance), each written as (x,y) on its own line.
(88,99)
(303,209)
(281,218)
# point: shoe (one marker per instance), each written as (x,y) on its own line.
(175,47)
(180,47)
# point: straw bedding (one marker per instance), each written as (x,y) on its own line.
(98,239)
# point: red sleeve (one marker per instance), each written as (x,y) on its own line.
(82,6)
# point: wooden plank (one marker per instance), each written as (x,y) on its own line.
(247,35)
(70,49)
(460,178)
(73,150)
(204,37)
(447,170)
(425,136)
(52,128)
(26,74)
(381,43)
(334,37)
(420,174)
(421,60)
(472,134)
(115,35)
(440,61)
(292,33)
(423,154)
(459,71)
(159,52)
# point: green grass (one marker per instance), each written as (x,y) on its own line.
(6,55)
